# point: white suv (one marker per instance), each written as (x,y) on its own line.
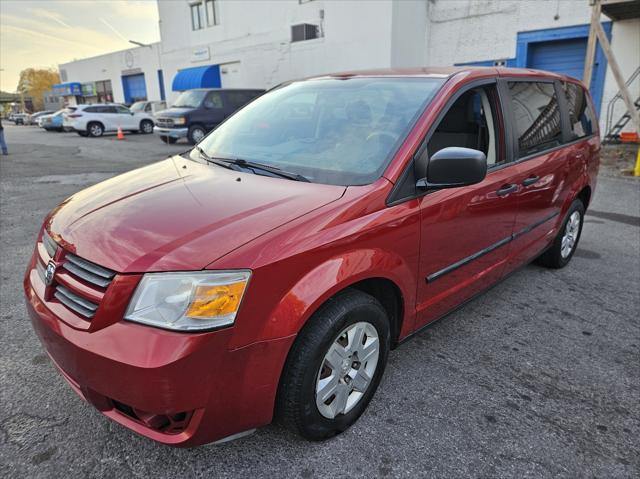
(94,120)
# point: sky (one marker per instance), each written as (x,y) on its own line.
(44,33)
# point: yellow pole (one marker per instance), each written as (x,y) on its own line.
(636,171)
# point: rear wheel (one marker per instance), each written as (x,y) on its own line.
(168,139)
(334,366)
(146,126)
(196,133)
(95,129)
(566,243)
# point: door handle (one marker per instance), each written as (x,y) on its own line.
(506,189)
(531,180)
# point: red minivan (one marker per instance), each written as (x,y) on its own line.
(268,271)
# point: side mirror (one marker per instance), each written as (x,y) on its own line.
(454,167)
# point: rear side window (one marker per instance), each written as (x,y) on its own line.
(239,99)
(537,116)
(581,116)
(90,109)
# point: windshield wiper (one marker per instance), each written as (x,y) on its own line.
(216,161)
(240,163)
(271,169)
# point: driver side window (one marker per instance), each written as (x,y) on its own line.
(471,122)
(213,100)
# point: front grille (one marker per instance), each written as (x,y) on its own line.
(78,284)
(164,122)
(97,277)
(82,306)
(90,272)
(49,244)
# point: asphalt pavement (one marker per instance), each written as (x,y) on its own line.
(539,377)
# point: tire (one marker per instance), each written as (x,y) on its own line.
(95,129)
(146,127)
(195,134)
(308,368)
(168,140)
(566,242)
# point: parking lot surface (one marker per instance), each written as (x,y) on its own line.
(538,377)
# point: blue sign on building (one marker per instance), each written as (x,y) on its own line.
(67,89)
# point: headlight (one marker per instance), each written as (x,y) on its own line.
(188,301)
(179,121)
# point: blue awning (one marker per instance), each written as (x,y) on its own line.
(197,77)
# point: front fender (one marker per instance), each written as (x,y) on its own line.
(334,275)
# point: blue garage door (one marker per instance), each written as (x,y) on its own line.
(134,88)
(561,56)
(563,50)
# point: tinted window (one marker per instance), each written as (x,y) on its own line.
(91,109)
(334,131)
(213,100)
(537,116)
(238,99)
(581,116)
(122,110)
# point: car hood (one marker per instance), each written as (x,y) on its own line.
(174,112)
(178,215)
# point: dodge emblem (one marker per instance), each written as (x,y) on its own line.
(48,274)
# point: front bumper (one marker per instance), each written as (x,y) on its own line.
(141,377)
(171,132)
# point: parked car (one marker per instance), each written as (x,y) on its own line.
(95,120)
(271,269)
(196,112)
(150,107)
(33,118)
(20,118)
(53,122)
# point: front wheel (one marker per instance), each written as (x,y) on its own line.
(566,242)
(334,366)
(195,134)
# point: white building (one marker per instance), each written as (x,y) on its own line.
(260,43)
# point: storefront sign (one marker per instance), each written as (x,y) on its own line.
(200,54)
(67,89)
(89,89)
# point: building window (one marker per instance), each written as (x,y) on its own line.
(197,20)
(210,7)
(104,91)
(303,31)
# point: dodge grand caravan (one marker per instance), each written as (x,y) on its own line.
(268,271)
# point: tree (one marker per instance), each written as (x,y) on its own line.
(35,82)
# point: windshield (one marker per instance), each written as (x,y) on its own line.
(332,131)
(189,99)
(137,106)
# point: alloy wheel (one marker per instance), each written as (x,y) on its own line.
(571,232)
(96,130)
(347,369)
(197,134)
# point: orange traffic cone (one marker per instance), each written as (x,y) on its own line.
(120,134)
